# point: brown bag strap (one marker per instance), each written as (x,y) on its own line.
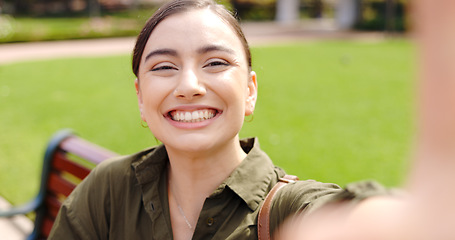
(264,212)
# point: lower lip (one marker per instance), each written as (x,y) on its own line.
(192,125)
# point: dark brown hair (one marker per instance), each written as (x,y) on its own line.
(178,6)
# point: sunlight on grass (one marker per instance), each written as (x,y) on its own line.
(336,111)
(331,111)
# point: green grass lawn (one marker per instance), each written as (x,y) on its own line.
(332,111)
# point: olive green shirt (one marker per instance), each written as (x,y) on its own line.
(126,198)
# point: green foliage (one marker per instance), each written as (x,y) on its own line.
(23,29)
(254,10)
(374,17)
(331,111)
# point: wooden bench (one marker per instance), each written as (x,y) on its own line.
(68,159)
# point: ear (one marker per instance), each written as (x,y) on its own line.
(139,97)
(250,102)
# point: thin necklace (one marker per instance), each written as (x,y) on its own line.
(181,210)
(183,214)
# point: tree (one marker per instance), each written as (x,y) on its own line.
(94,8)
(22,6)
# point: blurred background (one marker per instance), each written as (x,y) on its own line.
(336,90)
(37,20)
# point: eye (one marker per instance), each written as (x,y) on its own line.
(216,63)
(163,67)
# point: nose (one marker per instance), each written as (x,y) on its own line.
(189,86)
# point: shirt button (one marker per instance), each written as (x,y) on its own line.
(210,221)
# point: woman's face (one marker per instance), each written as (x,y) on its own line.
(194,86)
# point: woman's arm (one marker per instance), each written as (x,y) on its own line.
(428,211)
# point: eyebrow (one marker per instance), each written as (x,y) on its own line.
(202,50)
(164,51)
(213,48)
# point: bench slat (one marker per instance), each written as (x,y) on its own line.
(61,163)
(86,150)
(53,205)
(46,227)
(57,184)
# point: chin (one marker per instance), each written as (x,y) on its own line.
(197,143)
(190,147)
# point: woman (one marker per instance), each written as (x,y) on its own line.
(195,85)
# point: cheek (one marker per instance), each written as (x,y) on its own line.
(232,94)
(153,95)
(235,82)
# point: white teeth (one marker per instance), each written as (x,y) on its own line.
(195,116)
(187,116)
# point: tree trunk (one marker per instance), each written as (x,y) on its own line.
(390,16)
(94,8)
(22,6)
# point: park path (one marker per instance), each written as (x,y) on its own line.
(257,34)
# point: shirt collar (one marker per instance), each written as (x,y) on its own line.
(150,164)
(251,180)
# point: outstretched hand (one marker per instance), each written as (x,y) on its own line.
(428,211)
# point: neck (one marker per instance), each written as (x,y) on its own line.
(201,172)
(193,176)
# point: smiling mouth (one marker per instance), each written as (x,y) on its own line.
(193,116)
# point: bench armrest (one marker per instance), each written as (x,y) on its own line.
(23,209)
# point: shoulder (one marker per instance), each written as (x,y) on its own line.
(87,211)
(115,171)
(107,179)
(297,197)
(307,191)
(302,196)
(121,164)
(307,196)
